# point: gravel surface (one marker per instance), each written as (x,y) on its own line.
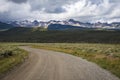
(51,65)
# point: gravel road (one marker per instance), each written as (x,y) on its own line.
(51,65)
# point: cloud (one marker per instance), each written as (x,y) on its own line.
(82,10)
(18,1)
(4,6)
(55,10)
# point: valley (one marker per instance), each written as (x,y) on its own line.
(59,39)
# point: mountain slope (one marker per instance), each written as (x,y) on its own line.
(5,26)
(63,27)
(70,22)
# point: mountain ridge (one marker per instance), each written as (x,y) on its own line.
(5,26)
(62,24)
(71,22)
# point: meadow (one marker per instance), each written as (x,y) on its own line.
(106,56)
(10,56)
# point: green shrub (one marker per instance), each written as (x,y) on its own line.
(7,53)
(10,56)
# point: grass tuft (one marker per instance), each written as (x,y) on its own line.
(10,56)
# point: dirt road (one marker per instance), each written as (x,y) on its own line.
(50,65)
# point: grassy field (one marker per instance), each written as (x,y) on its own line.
(10,56)
(105,55)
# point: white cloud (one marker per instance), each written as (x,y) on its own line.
(83,10)
(4,6)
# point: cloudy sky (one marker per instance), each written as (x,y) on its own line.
(82,10)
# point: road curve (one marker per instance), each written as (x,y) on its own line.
(51,65)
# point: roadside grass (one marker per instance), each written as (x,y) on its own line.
(10,56)
(105,55)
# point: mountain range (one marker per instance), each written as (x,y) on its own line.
(61,25)
(69,31)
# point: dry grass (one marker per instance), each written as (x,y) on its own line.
(10,56)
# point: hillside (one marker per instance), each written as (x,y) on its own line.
(5,26)
(63,27)
(77,36)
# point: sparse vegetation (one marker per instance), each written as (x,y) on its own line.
(10,56)
(105,55)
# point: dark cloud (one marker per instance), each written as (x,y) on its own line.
(96,1)
(114,1)
(56,10)
(18,1)
(50,6)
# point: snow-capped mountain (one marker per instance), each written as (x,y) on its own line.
(71,22)
(24,23)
